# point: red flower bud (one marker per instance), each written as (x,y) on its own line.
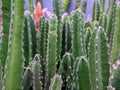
(38,14)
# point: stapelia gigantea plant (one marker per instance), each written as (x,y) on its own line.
(66,53)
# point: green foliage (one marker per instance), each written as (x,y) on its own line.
(42,38)
(77,28)
(96,11)
(116,43)
(66,4)
(58,10)
(88,33)
(6,13)
(83,5)
(66,36)
(110,23)
(1,76)
(66,68)
(36,71)
(56,83)
(77,4)
(14,62)
(103,21)
(66,53)
(102,6)
(114,78)
(31,5)
(98,60)
(27,79)
(82,74)
(27,40)
(52,48)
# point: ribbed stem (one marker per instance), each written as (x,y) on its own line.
(14,62)
(58,10)
(51,48)
(82,74)
(66,68)
(27,80)
(98,60)
(110,23)
(96,11)
(115,78)
(56,83)
(88,34)
(1,76)
(31,6)
(102,6)
(27,39)
(116,43)
(66,36)
(77,28)
(42,47)
(42,37)
(36,70)
(66,4)
(103,21)
(6,6)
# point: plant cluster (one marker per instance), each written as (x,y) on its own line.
(63,52)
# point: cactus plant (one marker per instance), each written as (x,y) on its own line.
(82,74)
(103,21)
(77,28)
(52,48)
(14,62)
(66,37)
(56,83)
(77,3)
(36,69)
(96,11)
(27,79)
(102,6)
(110,23)
(31,6)
(98,60)
(66,65)
(66,4)
(27,40)
(42,37)
(1,76)
(116,44)
(66,68)
(62,52)
(83,5)
(42,48)
(58,10)
(6,7)
(114,78)
(88,34)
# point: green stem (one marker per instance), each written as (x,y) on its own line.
(56,83)
(98,60)
(51,48)
(14,62)
(77,33)
(6,6)
(116,43)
